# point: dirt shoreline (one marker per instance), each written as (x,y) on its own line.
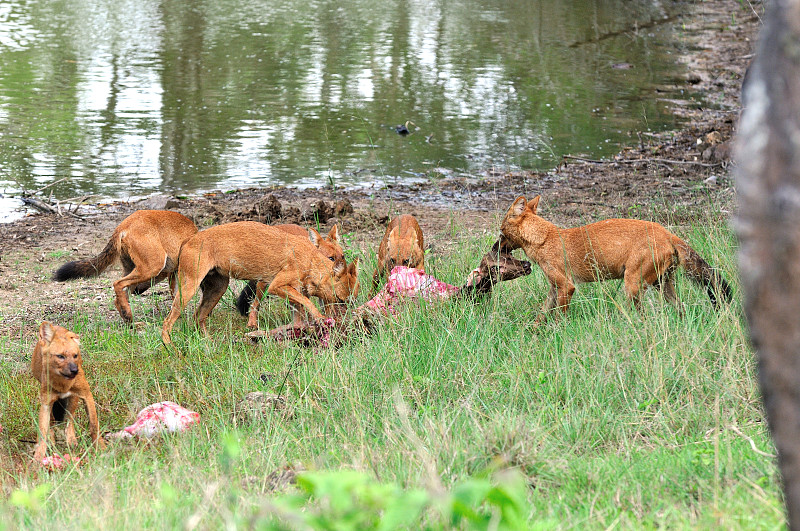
(665,177)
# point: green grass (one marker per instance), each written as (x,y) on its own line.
(614,418)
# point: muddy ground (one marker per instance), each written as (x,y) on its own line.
(667,177)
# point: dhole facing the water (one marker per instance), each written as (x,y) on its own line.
(57,364)
(291,266)
(147,243)
(642,253)
(402,244)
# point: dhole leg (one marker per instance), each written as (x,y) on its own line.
(565,293)
(637,279)
(298,300)
(94,424)
(72,405)
(213,288)
(45,411)
(149,261)
(187,287)
(173,283)
(666,285)
(559,296)
(252,317)
(140,288)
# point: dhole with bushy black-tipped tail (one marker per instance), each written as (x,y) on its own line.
(642,253)
(147,243)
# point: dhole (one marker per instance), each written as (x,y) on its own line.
(402,244)
(642,253)
(56,362)
(293,268)
(328,246)
(147,243)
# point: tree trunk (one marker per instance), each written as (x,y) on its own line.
(768,226)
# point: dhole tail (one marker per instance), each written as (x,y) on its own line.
(88,268)
(246,297)
(699,271)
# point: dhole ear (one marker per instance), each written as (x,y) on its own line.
(339,267)
(354,268)
(333,235)
(518,207)
(46,331)
(314,237)
(534,203)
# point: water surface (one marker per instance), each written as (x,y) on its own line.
(124,98)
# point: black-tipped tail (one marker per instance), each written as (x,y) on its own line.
(246,297)
(699,271)
(87,268)
(718,285)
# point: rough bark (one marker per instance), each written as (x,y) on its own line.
(768,226)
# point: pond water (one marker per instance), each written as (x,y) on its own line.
(124,98)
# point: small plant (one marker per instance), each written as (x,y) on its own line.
(350,500)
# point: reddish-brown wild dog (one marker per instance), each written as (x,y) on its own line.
(328,246)
(292,267)
(642,253)
(56,363)
(402,244)
(147,243)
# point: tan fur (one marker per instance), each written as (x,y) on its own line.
(328,246)
(292,267)
(402,244)
(55,357)
(642,253)
(147,243)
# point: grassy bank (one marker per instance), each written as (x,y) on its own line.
(612,417)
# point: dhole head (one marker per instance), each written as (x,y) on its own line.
(345,280)
(402,251)
(61,351)
(521,210)
(329,245)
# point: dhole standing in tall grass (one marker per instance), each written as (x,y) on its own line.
(57,364)
(642,253)
(250,297)
(147,243)
(291,265)
(402,244)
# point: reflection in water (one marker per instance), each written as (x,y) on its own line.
(131,97)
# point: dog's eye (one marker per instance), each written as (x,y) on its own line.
(332,259)
(60,356)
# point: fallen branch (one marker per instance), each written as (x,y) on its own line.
(41,206)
